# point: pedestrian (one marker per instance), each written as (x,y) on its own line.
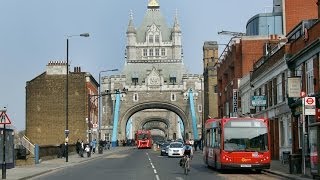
(81,148)
(88,150)
(108,145)
(78,146)
(94,145)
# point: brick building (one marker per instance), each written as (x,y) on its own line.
(210,59)
(304,63)
(46,105)
(297,10)
(236,61)
(242,52)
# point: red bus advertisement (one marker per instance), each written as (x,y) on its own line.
(143,139)
(237,143)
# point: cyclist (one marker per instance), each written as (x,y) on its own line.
(187,154)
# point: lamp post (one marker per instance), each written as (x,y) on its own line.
(100,102)
(67,93)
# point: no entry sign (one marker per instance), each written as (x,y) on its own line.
(310,101)
(310,105)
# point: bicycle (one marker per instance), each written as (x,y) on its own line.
(186,164)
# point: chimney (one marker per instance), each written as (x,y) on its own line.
(77,69)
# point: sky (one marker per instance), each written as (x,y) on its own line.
(34,32)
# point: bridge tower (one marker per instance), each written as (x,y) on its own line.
(156,81)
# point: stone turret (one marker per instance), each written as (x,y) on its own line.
(132,39)
(176,38)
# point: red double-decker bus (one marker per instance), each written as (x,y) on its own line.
(237,143)
(143,139)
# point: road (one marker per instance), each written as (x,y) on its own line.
(146,164)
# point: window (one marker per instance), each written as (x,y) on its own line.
(157,52)
(266,94)
(208,138)
(163,51)
(150,38)
(263,93)
(298,71)
(279,88)
(173,97)
(282,133)
(274,91)
(135,81)
(157,39)
(135,97)
(270,93)
(145,52)
(199,108)
(283,86)
(150,52)
(259,93)
(309,77)
(215,87)
(173,80)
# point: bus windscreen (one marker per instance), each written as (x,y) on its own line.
(245,136)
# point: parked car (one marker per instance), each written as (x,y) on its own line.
(164,148)
(175,149)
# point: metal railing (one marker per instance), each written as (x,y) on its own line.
(27,144)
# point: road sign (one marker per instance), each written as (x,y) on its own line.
(258,100)
(4,119)
(310,106)
(310,101)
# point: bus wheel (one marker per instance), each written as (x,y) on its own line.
(215,163)
(207,163)
(258,171)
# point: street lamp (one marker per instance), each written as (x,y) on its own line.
(100,102)
(67,93)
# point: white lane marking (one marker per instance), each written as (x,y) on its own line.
(179,178)
(154,169)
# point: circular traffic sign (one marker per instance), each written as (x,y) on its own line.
(309,101)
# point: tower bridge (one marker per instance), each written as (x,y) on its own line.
(161,94)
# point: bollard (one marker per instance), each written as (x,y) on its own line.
(36,153)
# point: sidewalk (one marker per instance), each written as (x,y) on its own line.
(280,169)
(26,172)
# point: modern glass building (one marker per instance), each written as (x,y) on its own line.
(265,24)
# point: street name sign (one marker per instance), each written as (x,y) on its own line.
(258,100)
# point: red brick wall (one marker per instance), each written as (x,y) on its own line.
(237,63)
(298,10)
(252,50)
(299,44)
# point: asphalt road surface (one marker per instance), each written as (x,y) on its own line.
(146,164)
